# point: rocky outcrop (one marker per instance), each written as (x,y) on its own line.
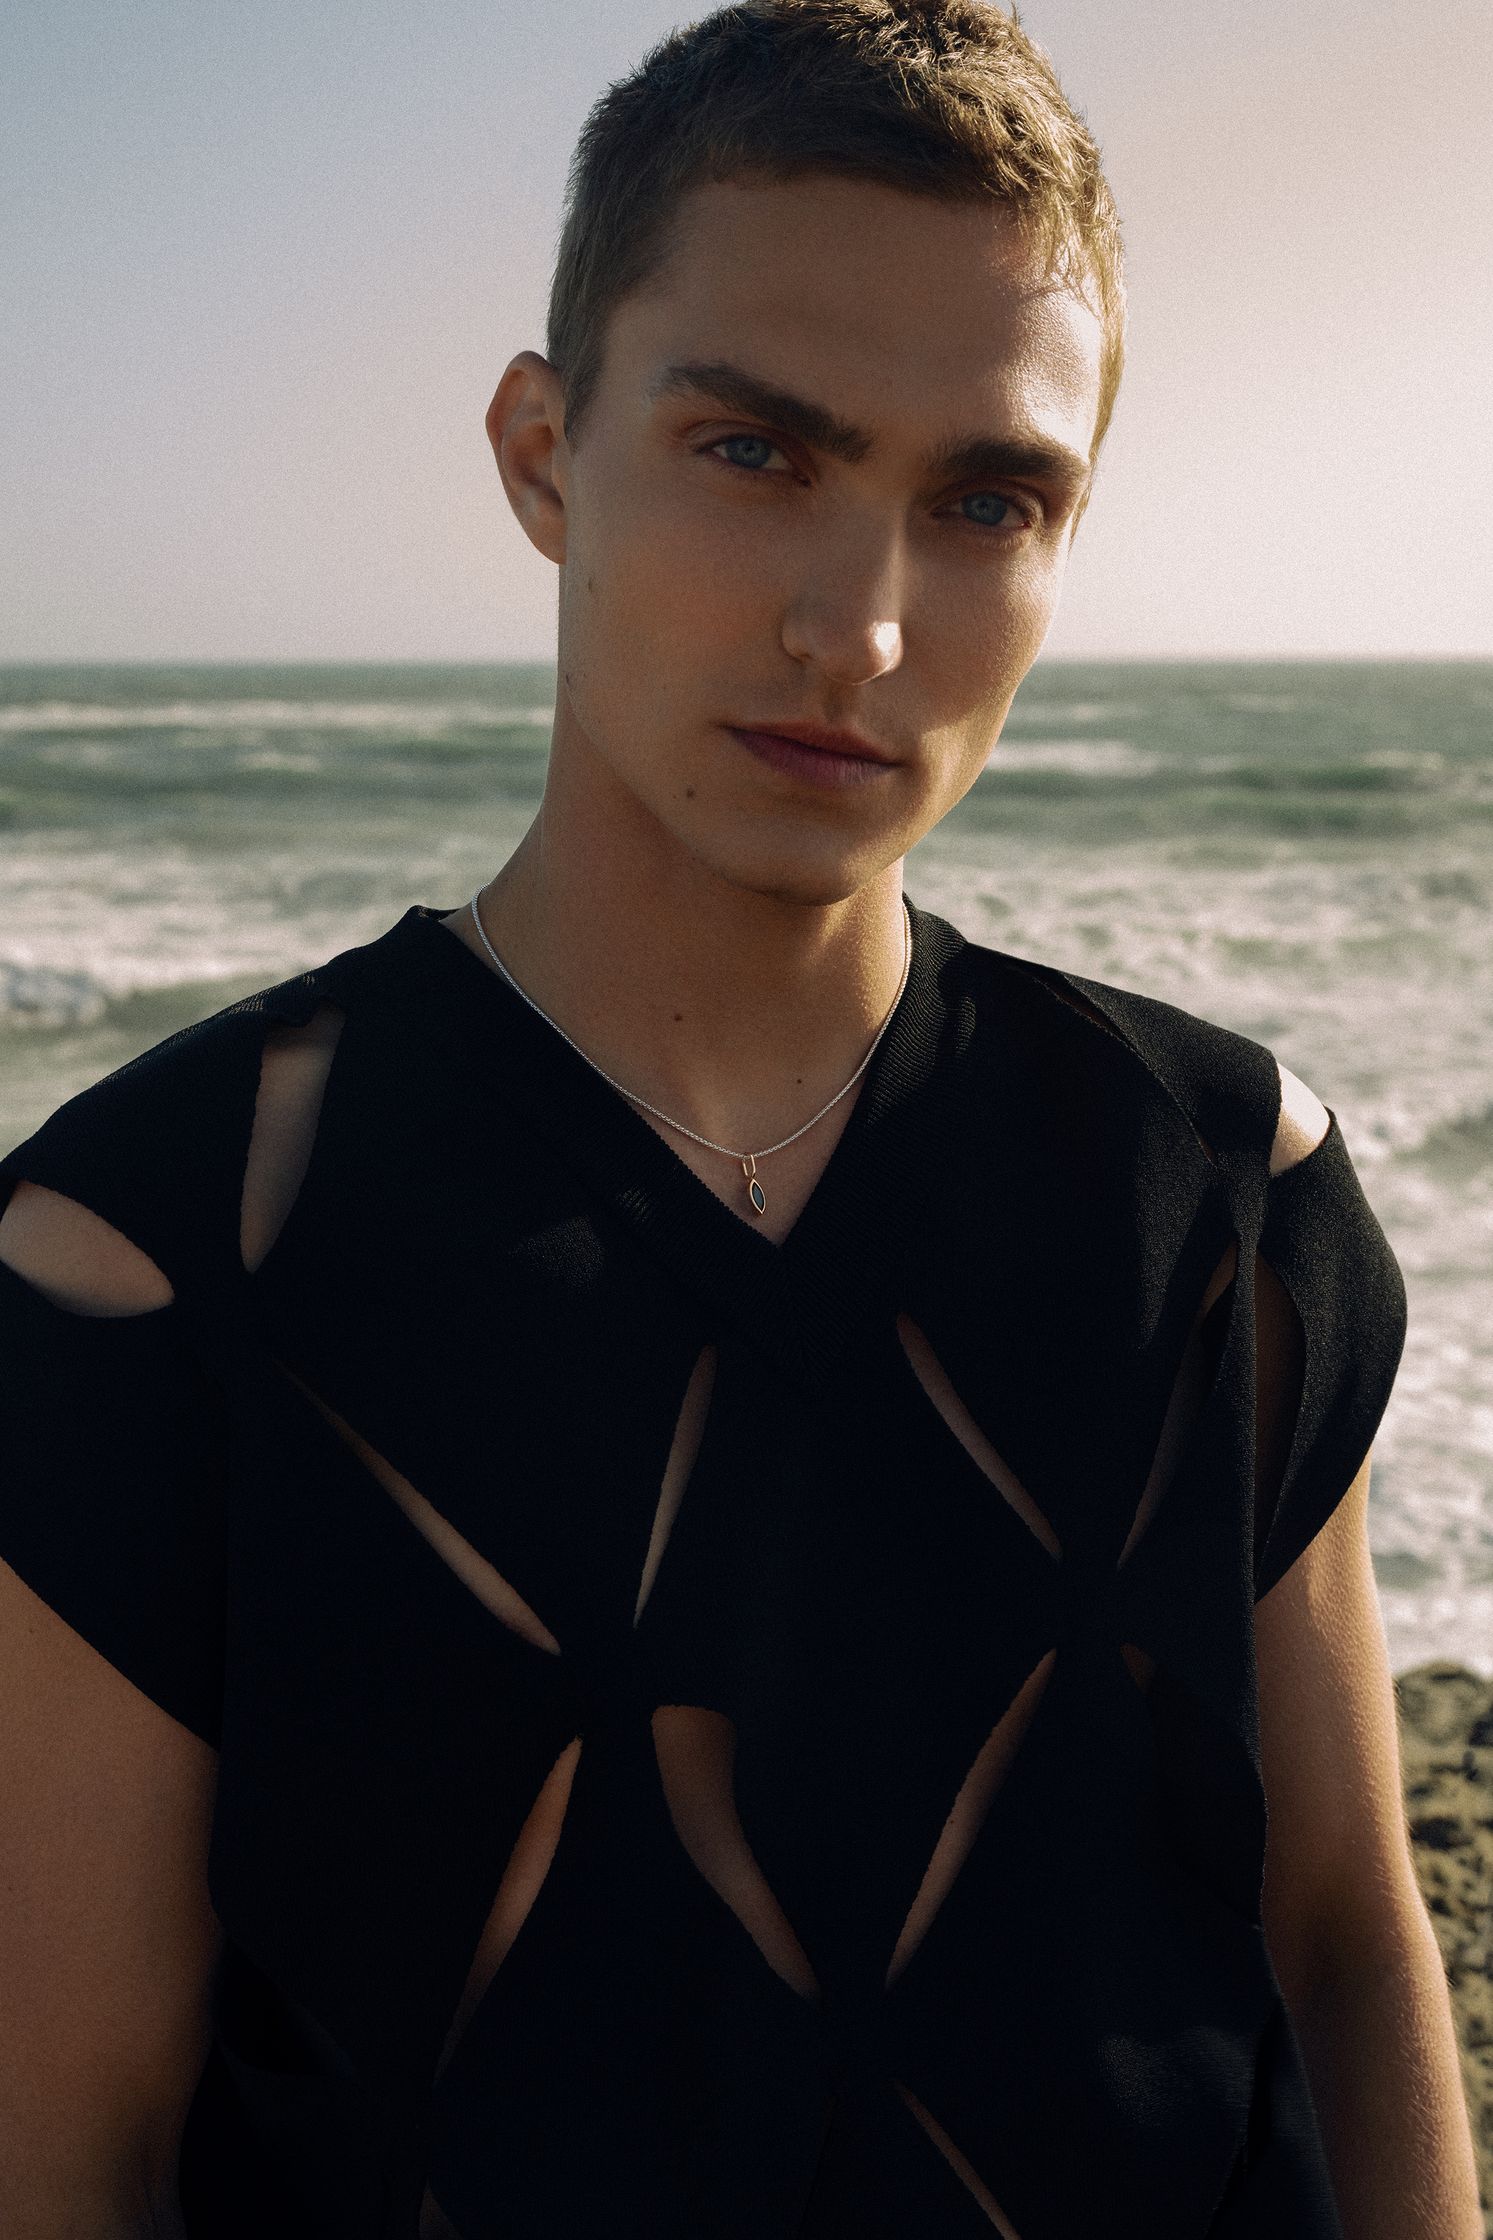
(1446,1755)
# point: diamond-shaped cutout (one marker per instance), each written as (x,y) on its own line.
(523,1878)
(696,1751)
(474,1571)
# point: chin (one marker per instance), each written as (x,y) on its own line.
(813,879)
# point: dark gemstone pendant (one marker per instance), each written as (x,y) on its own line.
(755,1193)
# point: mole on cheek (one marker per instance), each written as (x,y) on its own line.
(689,793)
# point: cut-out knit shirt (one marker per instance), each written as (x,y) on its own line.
(908,1881)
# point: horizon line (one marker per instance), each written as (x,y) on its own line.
(1306,658)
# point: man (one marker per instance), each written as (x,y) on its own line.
(835,338)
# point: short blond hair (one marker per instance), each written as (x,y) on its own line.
(945,98)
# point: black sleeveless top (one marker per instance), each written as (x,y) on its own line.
(902,1671)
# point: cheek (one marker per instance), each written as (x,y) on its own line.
(981,629)
(673,575)
(978,639)
(660,609)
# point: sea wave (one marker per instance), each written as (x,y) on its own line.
(42,996)
(1463,1141)
(1079,758)
(1081,711)
(1263,703)
(432,719)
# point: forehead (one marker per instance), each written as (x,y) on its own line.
(898,311)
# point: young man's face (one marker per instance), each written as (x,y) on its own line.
(828,477)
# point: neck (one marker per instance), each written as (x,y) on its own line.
(737,1012)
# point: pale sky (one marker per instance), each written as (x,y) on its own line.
(263,261)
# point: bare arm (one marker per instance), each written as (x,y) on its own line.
(107,1940)
(1347,1929)
(108,1943)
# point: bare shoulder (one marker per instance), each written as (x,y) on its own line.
(146,1128)
(1304,1121)
(293,1075)
(75,1258)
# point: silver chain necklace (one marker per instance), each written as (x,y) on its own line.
(747,1160)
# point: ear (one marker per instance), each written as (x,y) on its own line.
(526,428)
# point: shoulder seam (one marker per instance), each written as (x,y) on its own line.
(1221,1098)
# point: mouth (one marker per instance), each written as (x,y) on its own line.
(818,756)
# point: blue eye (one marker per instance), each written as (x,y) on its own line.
(994,513)
(758,448)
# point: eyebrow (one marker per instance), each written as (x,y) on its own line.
(719,382)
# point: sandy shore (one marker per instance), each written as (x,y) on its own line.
(1446,1750)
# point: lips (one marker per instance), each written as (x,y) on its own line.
(814,755)
(824,741)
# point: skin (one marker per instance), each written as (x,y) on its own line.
(725,939)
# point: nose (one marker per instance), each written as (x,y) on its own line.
(845,619)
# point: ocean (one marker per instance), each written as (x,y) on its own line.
(1303,852)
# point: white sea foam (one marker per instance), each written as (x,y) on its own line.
(40,996)
(1082,711)
(418,719)
(1079,758)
